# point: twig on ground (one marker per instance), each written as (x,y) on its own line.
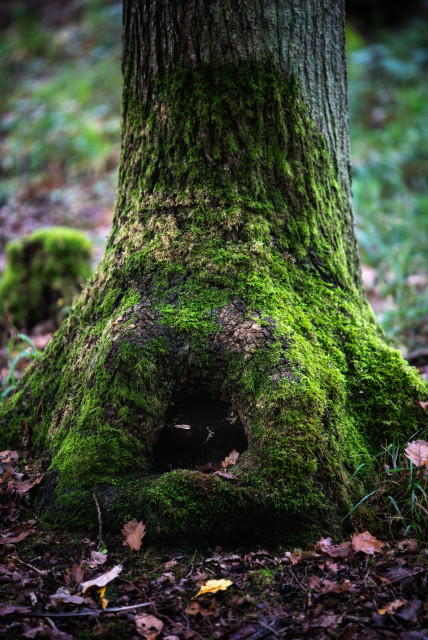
(86,612)
(100,524)
(44,573)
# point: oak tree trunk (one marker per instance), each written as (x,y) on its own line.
(227,313)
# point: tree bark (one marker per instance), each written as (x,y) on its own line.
(227,312)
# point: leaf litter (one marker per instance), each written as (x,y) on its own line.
(361,588)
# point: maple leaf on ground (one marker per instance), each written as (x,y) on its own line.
(148,626)
(212,586)
(366,543)
(230,459)
(417,452)
(103,579)
(334,550)
(134,532)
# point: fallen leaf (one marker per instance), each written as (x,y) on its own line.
(212,586)
(7,456)
(417,452)
(148,626)
(366,543)
(18,538)
(75,574)
(134,532)
(62,595)
(334,550)
(407,544)
(391,607)
(294,557)
(314,582)
(103,579)
(424,405)
(104,601)
(23,487)
(7,609)
(230,459)
(97,558)
(186,427)
(195,608)
(224,474)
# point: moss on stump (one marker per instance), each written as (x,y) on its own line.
(44,273)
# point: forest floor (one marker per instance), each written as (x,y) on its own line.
(57,585)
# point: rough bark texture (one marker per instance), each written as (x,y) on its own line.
(229,292)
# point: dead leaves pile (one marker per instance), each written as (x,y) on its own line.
(341,590)
(14,484)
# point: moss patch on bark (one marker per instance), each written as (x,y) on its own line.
(229,271)
(44,272)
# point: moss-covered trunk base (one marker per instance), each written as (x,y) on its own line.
(230,276)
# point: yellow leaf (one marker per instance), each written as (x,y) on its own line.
(391,607)
(104,601)
(212,586)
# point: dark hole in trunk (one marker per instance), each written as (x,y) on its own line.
(200,431)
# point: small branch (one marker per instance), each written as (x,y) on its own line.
(90,612)
(100,524)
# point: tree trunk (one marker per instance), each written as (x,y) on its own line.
(227,312)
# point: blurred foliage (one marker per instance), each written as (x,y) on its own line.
(60,94)
(388,88)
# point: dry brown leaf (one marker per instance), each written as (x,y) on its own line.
(195,608)
(18,538)
(334,550)
(424,405)
(294,557)
(417,452)
(97,558)
(366,543)
(391,607)
(148,626)
(230,459)
(75,574)
(134,532)
(63,596)
(26,485)
(103,579)
(212,586)
(224,474)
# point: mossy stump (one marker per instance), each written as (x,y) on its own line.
(45,272)
(228,302)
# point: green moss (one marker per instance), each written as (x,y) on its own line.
(44,272)
(229,270)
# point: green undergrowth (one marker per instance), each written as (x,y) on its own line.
(389,141)
(229,271)
(44,272)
